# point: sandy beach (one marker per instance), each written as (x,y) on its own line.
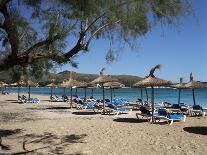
(53,128)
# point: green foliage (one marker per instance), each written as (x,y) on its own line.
(116,20)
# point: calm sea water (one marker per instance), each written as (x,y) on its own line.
(131,94)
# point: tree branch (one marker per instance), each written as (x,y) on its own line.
(42,43)
(99,29)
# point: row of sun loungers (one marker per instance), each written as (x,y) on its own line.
(24,99)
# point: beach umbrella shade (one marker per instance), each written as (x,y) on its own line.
(70,84)
(51,86)
(101,80)
(194,85)
(113,85)
(152,81)
(179,86)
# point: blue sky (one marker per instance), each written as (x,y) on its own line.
(179,52)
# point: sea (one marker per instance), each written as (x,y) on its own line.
(131,94)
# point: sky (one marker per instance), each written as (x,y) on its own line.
(179,53)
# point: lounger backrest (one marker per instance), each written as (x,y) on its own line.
(176,106)
(197,107)
(162,112)
(144,110)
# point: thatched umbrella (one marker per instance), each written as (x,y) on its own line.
(101,80)
(152,81)
(193,85)
(179,86)
(70,84)
(112,85)
(51,85)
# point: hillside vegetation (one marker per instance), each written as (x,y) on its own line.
(127,80)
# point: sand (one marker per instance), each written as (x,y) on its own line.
(53,128)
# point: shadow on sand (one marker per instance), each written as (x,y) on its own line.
(130,120)
(202,130)
(54,144)
(6,133)
(85,113)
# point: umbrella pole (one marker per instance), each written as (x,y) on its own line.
(179,96)
(142,97)
(152,100)
(146,94)
(103,98)
(92,92)
(18,91)
(71,89)
(114,93)
(85,93)
(51,92)
(111,93)
(29,93)
(64,91)
(194,102)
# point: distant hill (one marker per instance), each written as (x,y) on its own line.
(127,80)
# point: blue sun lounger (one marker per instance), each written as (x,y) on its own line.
(163,114)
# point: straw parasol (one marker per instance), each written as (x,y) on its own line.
(193,85)
(113,85)
(179,86)
(152,81)
(101,80)
(51,85)
(70,84)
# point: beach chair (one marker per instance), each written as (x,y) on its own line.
(145,113)
(116,110)
(163,114)
(56,99)
(197,110)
